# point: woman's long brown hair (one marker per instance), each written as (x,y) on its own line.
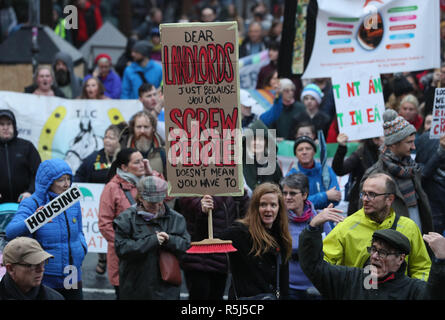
(263,241)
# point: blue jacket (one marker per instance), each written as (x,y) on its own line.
(62,236)
(132,80)
(317,191)
(112,84)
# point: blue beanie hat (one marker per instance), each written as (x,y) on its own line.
(312,90)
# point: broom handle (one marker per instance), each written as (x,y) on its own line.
(210,224)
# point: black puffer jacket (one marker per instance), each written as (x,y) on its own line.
(19,161)
(226,211)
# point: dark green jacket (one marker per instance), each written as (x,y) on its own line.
(137,247)
(346,283)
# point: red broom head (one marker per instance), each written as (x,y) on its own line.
(211,246)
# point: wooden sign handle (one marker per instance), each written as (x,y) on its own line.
(210,224)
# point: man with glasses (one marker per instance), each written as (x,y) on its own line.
(384,278)
(25,261)
(346,244)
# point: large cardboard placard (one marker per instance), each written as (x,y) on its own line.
(53,208)
(359,102)
(202,116)
(392,35)
(438,121)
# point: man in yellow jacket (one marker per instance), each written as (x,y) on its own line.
(346,243)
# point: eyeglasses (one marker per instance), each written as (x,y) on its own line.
(33,267)
(291,193)
(371,195)
(382,253)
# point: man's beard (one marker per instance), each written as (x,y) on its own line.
(378,215)
(143,143)
(62,77)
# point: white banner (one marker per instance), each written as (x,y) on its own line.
(90,216)
(66,129)
(358,95)
(392,35)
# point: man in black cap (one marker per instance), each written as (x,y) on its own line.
(384,278)
(19,160)
(25,260)
(346,244)
(323,184)
(142,70)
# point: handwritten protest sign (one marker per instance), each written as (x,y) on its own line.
(438,122)
(202,116)
(359,103)
(53,209)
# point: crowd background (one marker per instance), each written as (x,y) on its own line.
(296,104)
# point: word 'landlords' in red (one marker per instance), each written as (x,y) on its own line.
(199,65)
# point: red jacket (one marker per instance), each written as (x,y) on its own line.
(417,123)
(89,21)
(112,203)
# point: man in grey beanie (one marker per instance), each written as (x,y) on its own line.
(142,70)
(396,161)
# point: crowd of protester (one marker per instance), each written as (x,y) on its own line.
(395,195)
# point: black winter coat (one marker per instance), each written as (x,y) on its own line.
(433,177)
(19,160)
(94,168)
(10,291)
(356,165)
(346,283)
(226,211)
(137,247)
(252,274)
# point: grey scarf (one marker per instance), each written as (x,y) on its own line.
(128,176)
(147,216)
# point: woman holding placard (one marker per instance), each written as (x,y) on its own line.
(61,236)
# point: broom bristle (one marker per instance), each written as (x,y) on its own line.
(211,246)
